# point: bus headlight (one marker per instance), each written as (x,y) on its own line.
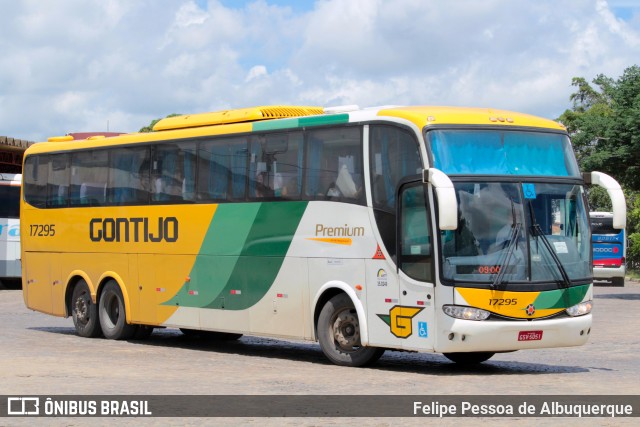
(466,313)
(580,309)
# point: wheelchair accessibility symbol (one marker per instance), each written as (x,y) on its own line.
(529,191)
(422,330)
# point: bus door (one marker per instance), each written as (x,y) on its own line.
(416,271)
(400,291)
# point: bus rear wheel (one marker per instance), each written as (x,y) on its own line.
(339,334)
(112,313)
(84,312)
(471,358)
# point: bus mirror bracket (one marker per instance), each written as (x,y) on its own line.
(447,203)
(619,206)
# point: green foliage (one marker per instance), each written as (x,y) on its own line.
(604,125)
(599,200)
(149,127)
(633,251)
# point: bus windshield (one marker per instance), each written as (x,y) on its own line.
(502,152)
(516,234)
(603,225)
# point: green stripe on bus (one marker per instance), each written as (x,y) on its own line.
(218,255)
(332,119)
(298,122)
(262,256)
(561,298)
(275,124)
(241,255)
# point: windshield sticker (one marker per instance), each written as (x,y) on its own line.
(561,247)
(529,191)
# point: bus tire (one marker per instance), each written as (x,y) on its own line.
(339,334)
(112,313)
(84,312)
(470,358)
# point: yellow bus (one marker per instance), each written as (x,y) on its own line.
(454,230)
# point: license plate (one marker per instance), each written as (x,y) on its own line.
(529,335)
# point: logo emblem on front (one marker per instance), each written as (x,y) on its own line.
(530,310)
(399,320)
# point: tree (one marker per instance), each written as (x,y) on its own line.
(605,125)
(149,127)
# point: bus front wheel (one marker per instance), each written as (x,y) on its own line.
(339,334)
(112,313)
(84,312)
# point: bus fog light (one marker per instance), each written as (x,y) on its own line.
(466,313)
(580,309)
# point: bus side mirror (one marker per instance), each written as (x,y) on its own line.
(619,206)
(447,203)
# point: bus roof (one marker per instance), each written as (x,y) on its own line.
(425,116)
(281,117)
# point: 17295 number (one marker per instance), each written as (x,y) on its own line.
(42,230)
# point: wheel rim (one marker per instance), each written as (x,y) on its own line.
(346,331)
(81,309)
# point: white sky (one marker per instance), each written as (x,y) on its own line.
(80,65)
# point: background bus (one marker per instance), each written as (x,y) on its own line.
(609,249)
(454,230)
(10,271)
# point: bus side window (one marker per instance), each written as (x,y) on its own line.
(173,172)
(58,181)
(394,154)
(275,165)
(415,252)
(334,165)
(89,173)
(129,176)
(36,169)
(222,169)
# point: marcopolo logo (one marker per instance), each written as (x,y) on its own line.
(133,229)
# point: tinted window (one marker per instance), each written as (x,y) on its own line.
(9,201)
(394,155)
(275,166)
(36,170)
(334,165)
(173,172)
(415,234)
(58,180)
(603,226)
(89,174)
(222,169)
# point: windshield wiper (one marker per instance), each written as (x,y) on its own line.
(537,231)
(513,243)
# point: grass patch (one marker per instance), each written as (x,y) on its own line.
(633,274)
